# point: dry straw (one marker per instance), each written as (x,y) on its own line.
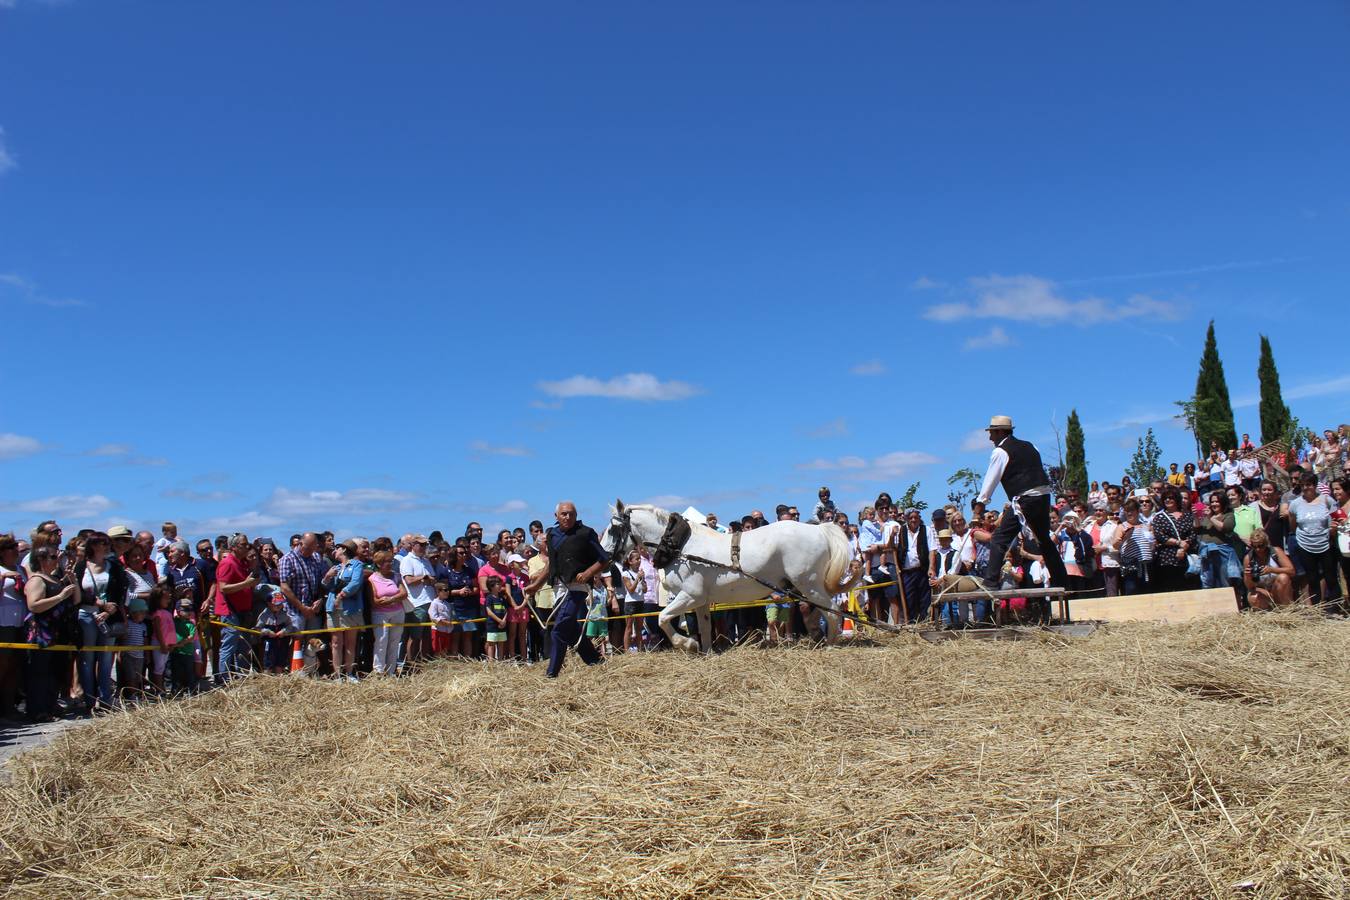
(1195,760)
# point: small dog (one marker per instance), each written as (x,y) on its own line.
(313,647)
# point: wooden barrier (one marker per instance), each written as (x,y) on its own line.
(1177,606)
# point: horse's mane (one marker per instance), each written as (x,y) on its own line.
(662,515)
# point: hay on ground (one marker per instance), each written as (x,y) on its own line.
(1167,761)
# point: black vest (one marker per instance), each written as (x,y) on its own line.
(1024,470)
(571,554)
(921,549)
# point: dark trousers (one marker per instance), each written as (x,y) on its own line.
(918,593)
(1321,566)
(1037,513)
(536,639)
(45,668)
(567,633)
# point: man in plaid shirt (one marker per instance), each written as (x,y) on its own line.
(301,572)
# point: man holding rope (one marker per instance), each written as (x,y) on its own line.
(574,558)
(1016,464)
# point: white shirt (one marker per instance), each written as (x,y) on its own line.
(912,560)
(423,593)
(1232,472)
(964,547)
(998,461)
(1110,559)
(13,605)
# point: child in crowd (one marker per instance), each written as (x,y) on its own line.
(597,629)
(132,676)
(442,614)
(497,608)
(634,587)
(275,624)
(518,616)
(162,632)
(183,657)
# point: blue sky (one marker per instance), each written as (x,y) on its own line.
(385,267)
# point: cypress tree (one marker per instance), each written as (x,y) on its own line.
(1213,410)
(1275,417)
(1075,462)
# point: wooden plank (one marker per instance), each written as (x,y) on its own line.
(1177,606)
(1053,593)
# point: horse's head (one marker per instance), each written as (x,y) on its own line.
(618,537)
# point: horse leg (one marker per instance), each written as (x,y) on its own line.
(705,635)
(674,611)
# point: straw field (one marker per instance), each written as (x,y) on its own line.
(1208,759)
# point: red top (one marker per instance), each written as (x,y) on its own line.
(232,571)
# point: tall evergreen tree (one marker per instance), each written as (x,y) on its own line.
(1213,409)
(1144,464)
(1275,417)
(1075,460)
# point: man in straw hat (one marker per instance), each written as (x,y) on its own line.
(1016,464)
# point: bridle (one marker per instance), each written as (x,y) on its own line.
(625,534)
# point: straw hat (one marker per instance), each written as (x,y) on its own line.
(1004,422)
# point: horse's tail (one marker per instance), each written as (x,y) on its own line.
(837,542)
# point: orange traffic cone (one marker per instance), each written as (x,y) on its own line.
(847,629)
(297,657)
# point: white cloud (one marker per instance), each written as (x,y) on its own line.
(483,448)
(192,496)
(881,468)
(632,386)
(77,506)
(252,521)
(995,337)
(1027,298)
(870,367)
(111,450)
(1325,388)
(976,440)
(6,158)
(16,287)
(291,505)
(833,428)
(924,283)
(670,501)
(12,446)
(511,506)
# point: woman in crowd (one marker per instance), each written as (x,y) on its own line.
(1174,531)
(1268,573)
(386,613)
(1096,497)
(1340,492)
(13,608)
(1310,517)
(103,596)
(1102,532)
(464,597)
(345,613)
(50,598)
(1214,532)
(1134,541)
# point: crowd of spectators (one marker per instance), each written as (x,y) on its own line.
(180,617)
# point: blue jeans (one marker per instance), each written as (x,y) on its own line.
(567,633)
(1215,562)
(234,649)
(96,668)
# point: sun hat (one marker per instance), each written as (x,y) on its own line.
(119,531)
(1000,422)
(944,533)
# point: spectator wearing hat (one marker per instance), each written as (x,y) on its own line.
(131,662)
(947,561)
(420,580)
(1016,465)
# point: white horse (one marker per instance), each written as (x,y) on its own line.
(812,560)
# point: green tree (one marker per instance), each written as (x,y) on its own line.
(963,483)
(1187,415)
(1144,464)
(1075,460)
(1275,416)
(907,499)
(1213,409)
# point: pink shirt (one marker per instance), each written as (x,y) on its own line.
(232,571)
(383,587)
(161,621)
(486,571)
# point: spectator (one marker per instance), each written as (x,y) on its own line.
(46,534)
(1249,467)
(13,608)
(275,624)
(50,599)
(1102,531)
(1268,573)
(1340,520)
(635,587)
(1246,519)
(162,632)
(182,656)
(421,584)
(103,597)
(916,551)
(825,509)
(442,614)
(1214,531)
(1175,478)
(131,662)
(1075,548)
(463,587)
(1310,517)
(301,572)
(1096,497)
(1135,542)
(496,608)
(1174,535)
(345,608)
(387,613)
(233,604)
